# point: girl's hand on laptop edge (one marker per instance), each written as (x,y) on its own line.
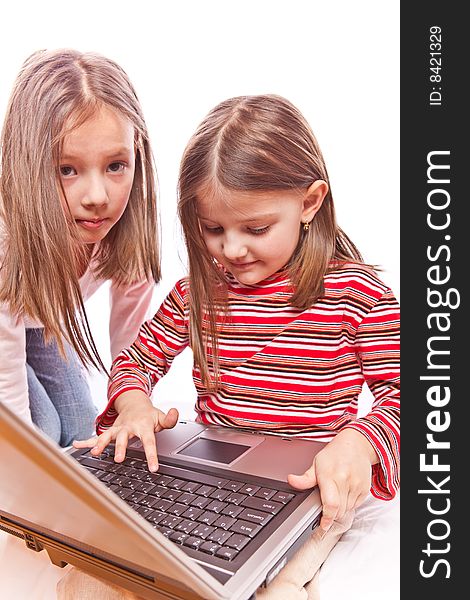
(137,418)
(342,470)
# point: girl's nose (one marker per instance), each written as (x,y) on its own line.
(95,193)
(234,248)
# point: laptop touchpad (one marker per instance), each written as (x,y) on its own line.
(214,451)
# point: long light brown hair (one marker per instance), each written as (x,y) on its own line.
(253,143)
(54,93)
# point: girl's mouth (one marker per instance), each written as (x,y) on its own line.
(244,265)
(94,224)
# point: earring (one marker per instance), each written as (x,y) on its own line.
(306,225)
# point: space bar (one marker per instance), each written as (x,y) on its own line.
(192,476)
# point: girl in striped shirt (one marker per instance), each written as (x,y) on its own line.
(285,321)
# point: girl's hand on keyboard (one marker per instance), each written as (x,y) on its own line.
(137,417)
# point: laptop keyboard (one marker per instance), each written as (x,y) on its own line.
(204,512)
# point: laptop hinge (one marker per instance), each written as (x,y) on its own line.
(147,586)
(31,542)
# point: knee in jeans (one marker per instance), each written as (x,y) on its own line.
(50,428)
(81,428)
(46,420)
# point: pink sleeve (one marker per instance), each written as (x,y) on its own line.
(129,309)
(13,379)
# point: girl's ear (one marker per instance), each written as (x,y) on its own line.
(313,199)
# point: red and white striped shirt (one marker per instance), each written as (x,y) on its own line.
(285,370)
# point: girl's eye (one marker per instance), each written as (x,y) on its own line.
(259,230)
(67,171)
(213,229)
(116,167)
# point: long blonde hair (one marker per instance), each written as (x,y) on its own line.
(55,92)
(253,143)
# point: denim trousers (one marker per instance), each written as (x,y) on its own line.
(59,395)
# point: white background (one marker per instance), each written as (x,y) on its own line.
(338,61)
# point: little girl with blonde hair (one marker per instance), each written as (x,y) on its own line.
(286,324)
(77,208)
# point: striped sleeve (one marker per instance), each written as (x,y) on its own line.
(378,348)
(140,366)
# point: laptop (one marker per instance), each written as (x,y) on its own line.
(215,522)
